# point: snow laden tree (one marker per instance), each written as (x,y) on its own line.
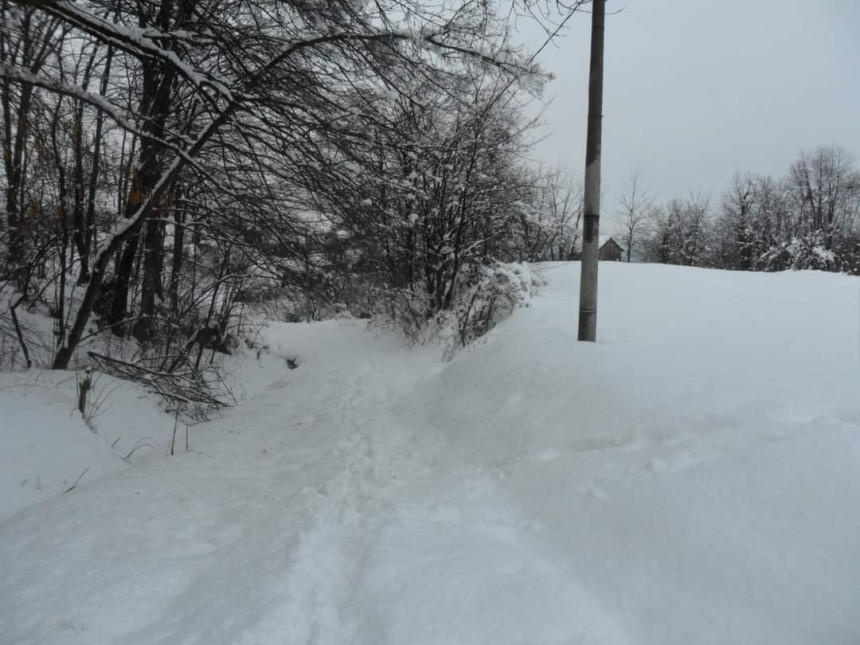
(681,232)
(199,148)
(806,220)
(548,228)
(753,218)
(446,195)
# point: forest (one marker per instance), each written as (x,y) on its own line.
(168,164)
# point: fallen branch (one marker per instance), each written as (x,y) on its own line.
(179,387)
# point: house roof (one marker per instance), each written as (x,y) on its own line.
(602,240)
(606,238)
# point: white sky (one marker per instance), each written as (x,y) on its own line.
(696,90)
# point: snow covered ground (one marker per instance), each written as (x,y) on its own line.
(46,445)
(692,478)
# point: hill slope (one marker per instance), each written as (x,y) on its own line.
(691,478)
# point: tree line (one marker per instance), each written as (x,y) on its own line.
(807,219)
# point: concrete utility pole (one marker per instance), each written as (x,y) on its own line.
(591,219)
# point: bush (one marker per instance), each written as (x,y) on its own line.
(807,252)
(499,291)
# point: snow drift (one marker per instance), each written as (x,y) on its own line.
(692,478)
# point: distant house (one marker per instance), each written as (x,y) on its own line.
(609,249)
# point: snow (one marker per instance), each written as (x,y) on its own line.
(46,443)
(692,478)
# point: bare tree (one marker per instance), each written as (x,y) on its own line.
(28,40)
(824,187)
(636,204)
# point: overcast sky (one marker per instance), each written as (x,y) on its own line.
(696,90)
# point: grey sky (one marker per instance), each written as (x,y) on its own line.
(696,90)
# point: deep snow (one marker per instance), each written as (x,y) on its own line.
(46,445)
(692,478)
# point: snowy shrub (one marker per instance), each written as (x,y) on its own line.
(806,252)
(498,292)
(406,312)
(849,256)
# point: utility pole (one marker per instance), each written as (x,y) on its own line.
(591,219)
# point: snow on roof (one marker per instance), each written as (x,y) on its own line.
(603,239)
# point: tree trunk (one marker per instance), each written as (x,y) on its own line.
(14,151)
(176,264)
(80,234)
(151,291)
(155,104)
(122,283)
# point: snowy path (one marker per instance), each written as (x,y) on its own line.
(700,485)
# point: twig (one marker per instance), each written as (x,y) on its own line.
(140,444)
(175,423)
(72,487)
